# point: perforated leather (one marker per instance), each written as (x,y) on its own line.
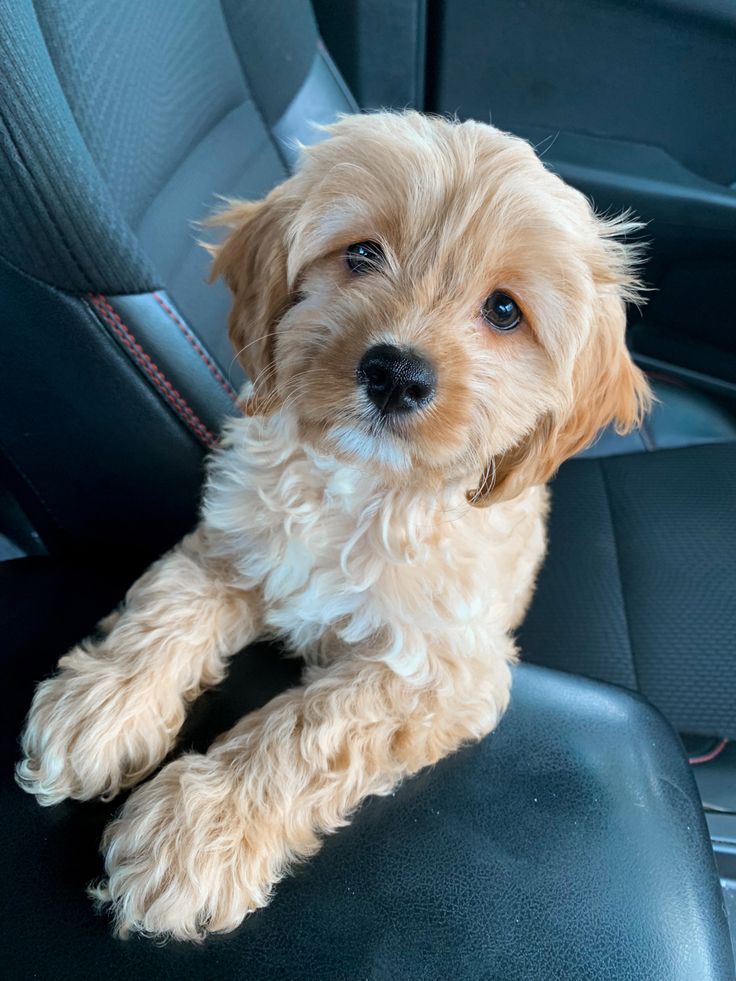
(639,585)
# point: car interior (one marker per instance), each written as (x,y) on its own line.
(593,835)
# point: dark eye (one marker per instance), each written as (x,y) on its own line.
(501,312)
(363,257)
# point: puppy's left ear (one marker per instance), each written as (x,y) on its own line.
(253,262)
(607,388)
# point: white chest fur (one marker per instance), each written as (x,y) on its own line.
(337,554)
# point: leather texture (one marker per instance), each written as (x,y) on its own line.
(569,844)
(120,126)
(89,444)
(152,331)
(316,103)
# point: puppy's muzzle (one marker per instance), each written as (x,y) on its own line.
(396,380)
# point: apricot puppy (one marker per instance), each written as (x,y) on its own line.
(432,323)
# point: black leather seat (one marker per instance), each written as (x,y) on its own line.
(571,843)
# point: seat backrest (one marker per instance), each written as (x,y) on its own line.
(121,123)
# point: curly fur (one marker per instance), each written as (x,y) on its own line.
(394,560)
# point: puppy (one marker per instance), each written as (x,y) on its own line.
(432,323)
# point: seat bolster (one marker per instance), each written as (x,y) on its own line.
(680,416)
(58,219)
(160,343)
(322,96)
(107,408)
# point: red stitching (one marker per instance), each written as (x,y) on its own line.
(711,755)
(175,399)
(225,385)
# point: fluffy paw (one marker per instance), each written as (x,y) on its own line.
(93,730)
(180,860)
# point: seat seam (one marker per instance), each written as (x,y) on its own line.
(624,605)
(38,202)
(49,511)
(337,78)
(647,437)
(174,398)
(251,95)
(189,334)
(186,155)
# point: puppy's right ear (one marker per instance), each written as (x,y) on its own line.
(252,261)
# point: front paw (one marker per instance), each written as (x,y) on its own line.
(181,860)
(92,730)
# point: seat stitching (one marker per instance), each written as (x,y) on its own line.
(224,385)
(175,399)
(143,359)
(624,605)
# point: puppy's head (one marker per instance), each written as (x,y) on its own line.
(425,297)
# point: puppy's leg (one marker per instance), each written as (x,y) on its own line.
(203,843)
(113,710)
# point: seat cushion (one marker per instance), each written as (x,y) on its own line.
(569,844)
(639,585)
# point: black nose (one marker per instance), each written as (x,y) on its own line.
(396,379)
